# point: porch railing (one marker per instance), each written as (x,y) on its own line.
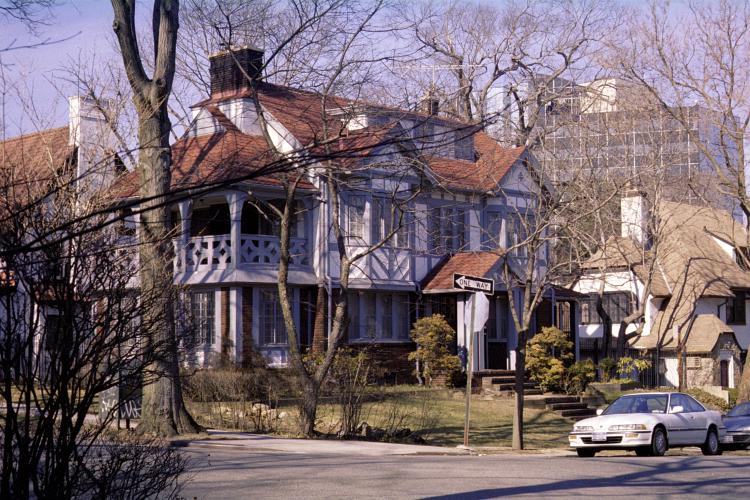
(207,253)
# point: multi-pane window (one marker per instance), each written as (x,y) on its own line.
(386,218)
(616,305)
(517,235)
(493,229)
(379,316)
(356,217)
(736,309)
(447,229)
(202,316)
(271,320)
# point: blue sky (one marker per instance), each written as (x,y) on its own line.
(89,23)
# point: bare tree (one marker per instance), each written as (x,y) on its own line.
(490,62)
(692,63)
(164,411)
(69,328)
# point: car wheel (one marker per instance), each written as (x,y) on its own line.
(711,446)
(586,452)
(658,442)
(643,451)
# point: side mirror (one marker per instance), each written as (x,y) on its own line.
(599,411)
(677,409)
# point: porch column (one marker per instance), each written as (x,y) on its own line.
(236,200)
(185,207)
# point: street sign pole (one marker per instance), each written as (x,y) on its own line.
(469,371)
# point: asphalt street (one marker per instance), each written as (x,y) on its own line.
(226,471)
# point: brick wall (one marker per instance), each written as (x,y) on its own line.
(224,318)
(319,323)
(393,360)
(247,325)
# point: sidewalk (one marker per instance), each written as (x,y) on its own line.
(261,443)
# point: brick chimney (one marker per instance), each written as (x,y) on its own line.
(226,69)
(430,103)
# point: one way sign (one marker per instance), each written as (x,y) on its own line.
(473,284)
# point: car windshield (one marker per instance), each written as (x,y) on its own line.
(742,410)
(638,403)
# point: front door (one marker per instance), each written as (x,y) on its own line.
(724,365)
(496,355)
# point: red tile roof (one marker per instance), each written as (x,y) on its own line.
(472,263)
(485,174)
(212,159)
(27,162)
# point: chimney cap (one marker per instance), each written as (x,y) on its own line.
(239,48)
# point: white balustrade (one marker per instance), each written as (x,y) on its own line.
(214,252)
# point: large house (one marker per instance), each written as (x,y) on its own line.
(682,265)
(449,194)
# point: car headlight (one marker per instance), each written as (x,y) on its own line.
(582,428)
(628,427)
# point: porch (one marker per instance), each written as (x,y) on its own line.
(233,232)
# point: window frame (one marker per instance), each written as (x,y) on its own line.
(735,305)
(382,220)
(278,319)
(204,318)
(356,230)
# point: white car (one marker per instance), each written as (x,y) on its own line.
(650,423)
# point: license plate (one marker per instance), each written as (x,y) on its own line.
(599,436)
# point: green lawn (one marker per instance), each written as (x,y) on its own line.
(438,416)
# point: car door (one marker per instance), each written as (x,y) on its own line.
(677,423)
(698,420)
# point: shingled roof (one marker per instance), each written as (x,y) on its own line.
(688,255)
(701,334)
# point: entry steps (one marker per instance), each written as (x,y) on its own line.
(572,407)
(502,383)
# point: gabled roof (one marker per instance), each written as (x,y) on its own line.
(701,334)
(479,264)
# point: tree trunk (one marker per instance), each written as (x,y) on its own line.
(163,412)
(517,441)
(309,407)
(743,391)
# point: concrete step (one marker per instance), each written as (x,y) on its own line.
(567,406)
(585,412)
(561,399)
(509,379)
(512,385)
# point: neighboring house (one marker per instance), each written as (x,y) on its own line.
(40,173)
(679,262)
